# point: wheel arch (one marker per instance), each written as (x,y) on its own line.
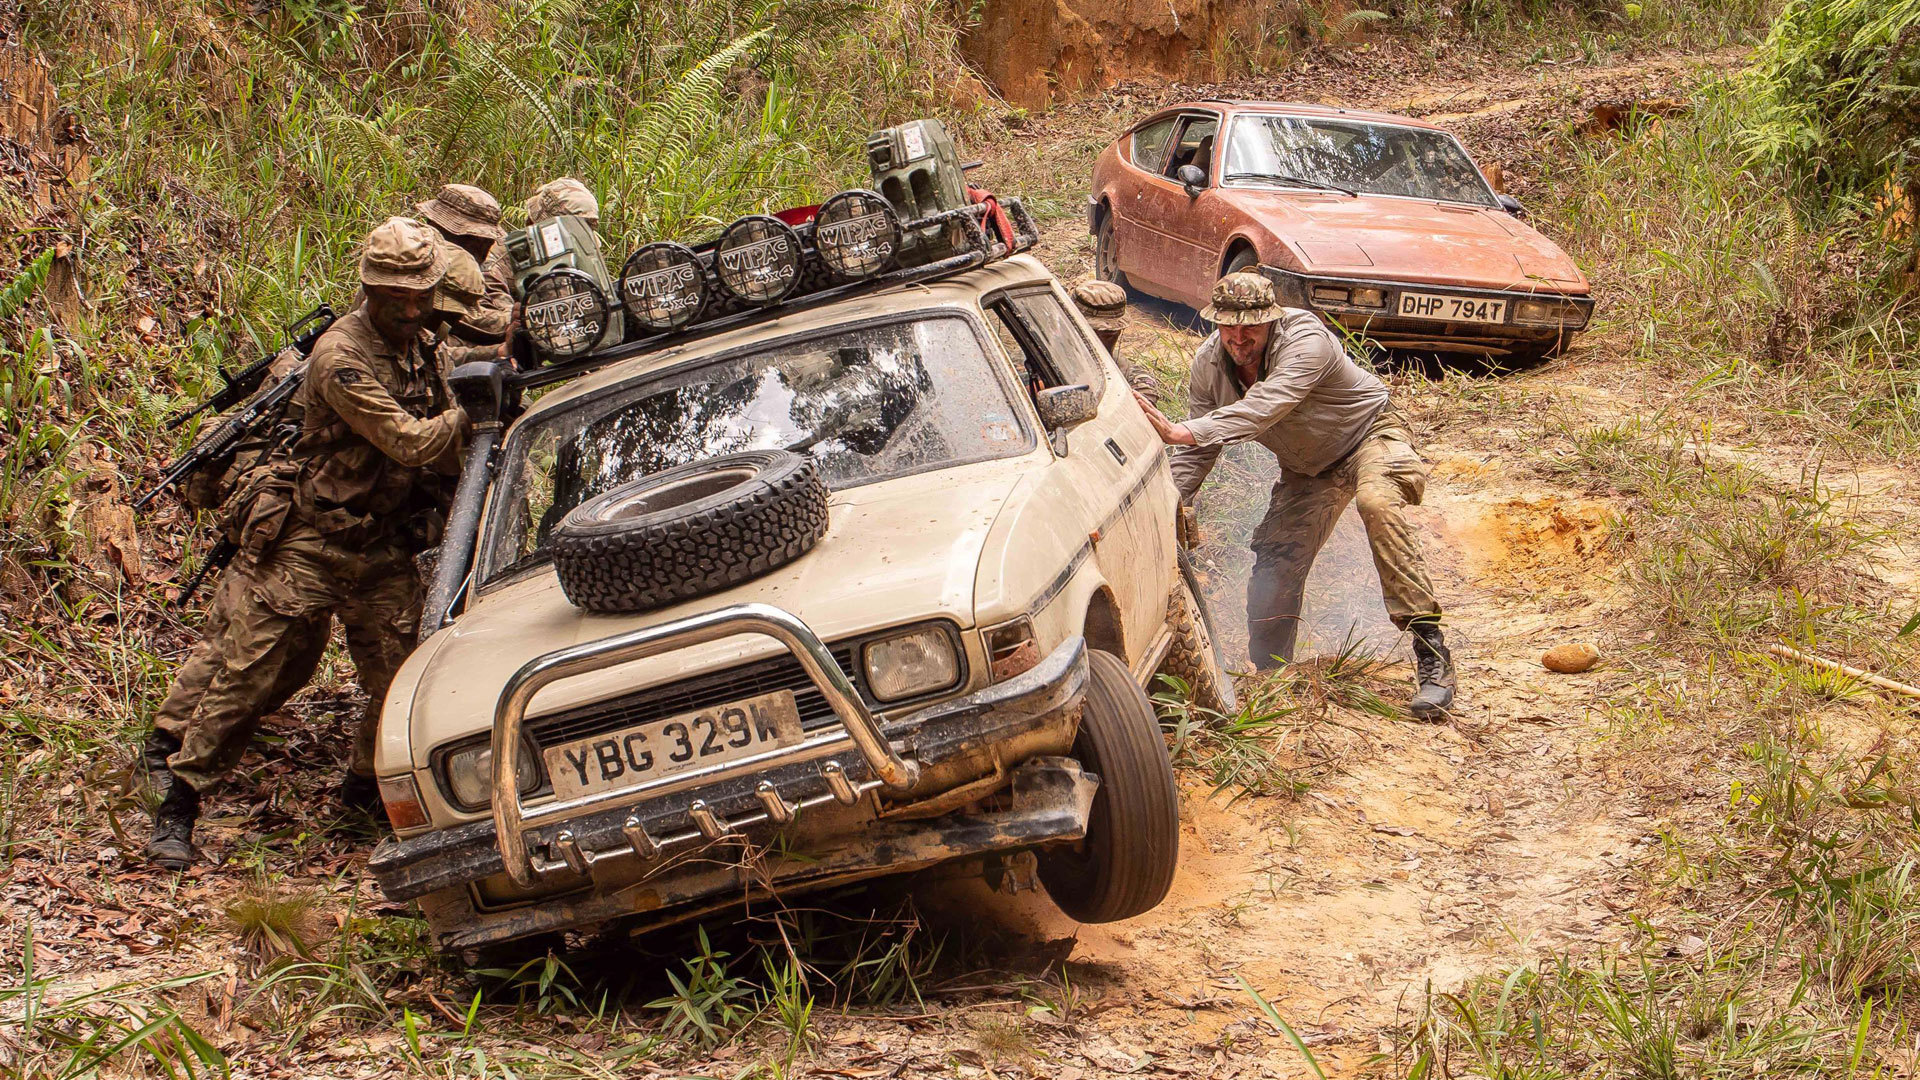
(1102,624)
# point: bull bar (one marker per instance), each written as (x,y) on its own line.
(859,730)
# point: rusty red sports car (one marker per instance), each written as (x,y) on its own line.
(1381,223)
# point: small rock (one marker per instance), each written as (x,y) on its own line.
(1570,659)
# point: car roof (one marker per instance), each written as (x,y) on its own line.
(960,290)
(1291,108)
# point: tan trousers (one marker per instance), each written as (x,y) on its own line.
(1384,475)
(265,636)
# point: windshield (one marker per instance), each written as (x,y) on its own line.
(1374,159)
(866,403)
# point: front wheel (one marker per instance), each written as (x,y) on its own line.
(1125,864)
(1244,259)
(1194,657)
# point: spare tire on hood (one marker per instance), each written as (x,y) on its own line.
(690,531)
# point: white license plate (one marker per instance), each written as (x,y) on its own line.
(1414,305)
(621,759)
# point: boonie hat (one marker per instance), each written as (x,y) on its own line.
(460,291)
(1103,303)
(563,196)
(402,254)
(1242,298)
(464,210)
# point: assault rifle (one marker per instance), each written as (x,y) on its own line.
(263,411)
(302,333)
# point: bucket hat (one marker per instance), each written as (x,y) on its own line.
(563,196)
(460,291)
(1242,298)
(1103,303)
(402,254)
(464,210)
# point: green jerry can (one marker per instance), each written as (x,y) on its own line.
(917,169)
(565,242)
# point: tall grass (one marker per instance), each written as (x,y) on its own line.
(1790,312)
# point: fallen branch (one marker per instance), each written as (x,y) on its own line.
(1848,670)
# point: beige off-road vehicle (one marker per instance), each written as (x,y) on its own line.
(851,586)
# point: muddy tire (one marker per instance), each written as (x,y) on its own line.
(1125,865)
(1106,252)
(1193,657)
(690,531)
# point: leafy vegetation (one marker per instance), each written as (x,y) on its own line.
(1838,82)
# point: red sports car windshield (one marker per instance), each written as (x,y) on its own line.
(1352,156)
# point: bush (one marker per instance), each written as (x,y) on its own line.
(1838,93)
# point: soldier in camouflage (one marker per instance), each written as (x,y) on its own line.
(326,530)
(469,218)
(1278,376)
(1104,305)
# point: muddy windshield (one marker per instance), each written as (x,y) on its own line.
(866,403)
(1351,156)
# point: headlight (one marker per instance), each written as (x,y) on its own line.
(469,773)
(1550,313)
(906,665)
(1329,294)
(1368,298)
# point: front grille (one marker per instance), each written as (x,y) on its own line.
(692,695)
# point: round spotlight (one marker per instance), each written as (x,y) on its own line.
(758,259)
(663,286)
(856,234)
(566,314)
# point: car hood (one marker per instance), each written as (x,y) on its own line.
(1414,240)
(894,552)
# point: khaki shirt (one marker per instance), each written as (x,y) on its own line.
(377,428)
(1311,407)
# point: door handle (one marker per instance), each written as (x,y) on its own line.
(1119,455)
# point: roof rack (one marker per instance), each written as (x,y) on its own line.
(818,285)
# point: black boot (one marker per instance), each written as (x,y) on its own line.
(172,845)
(1433,667)
(361,793)
(160,747)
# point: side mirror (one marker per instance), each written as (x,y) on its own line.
(1193,178)
(480,388)
(1510,204)
(1063,407)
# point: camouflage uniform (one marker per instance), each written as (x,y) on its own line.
(1338,439)
(1104,305)
(324,533)
(470,217)
(462,295)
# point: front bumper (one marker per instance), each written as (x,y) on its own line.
(958,752)
(1383,325)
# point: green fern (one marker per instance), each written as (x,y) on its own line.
(25,284)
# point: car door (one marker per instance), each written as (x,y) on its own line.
(1180,253)
(1114,458)
(1142,154)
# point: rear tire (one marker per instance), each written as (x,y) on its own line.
(1126,863)
(1106,252)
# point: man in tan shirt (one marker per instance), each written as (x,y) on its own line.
(324,530)
(1279,377)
